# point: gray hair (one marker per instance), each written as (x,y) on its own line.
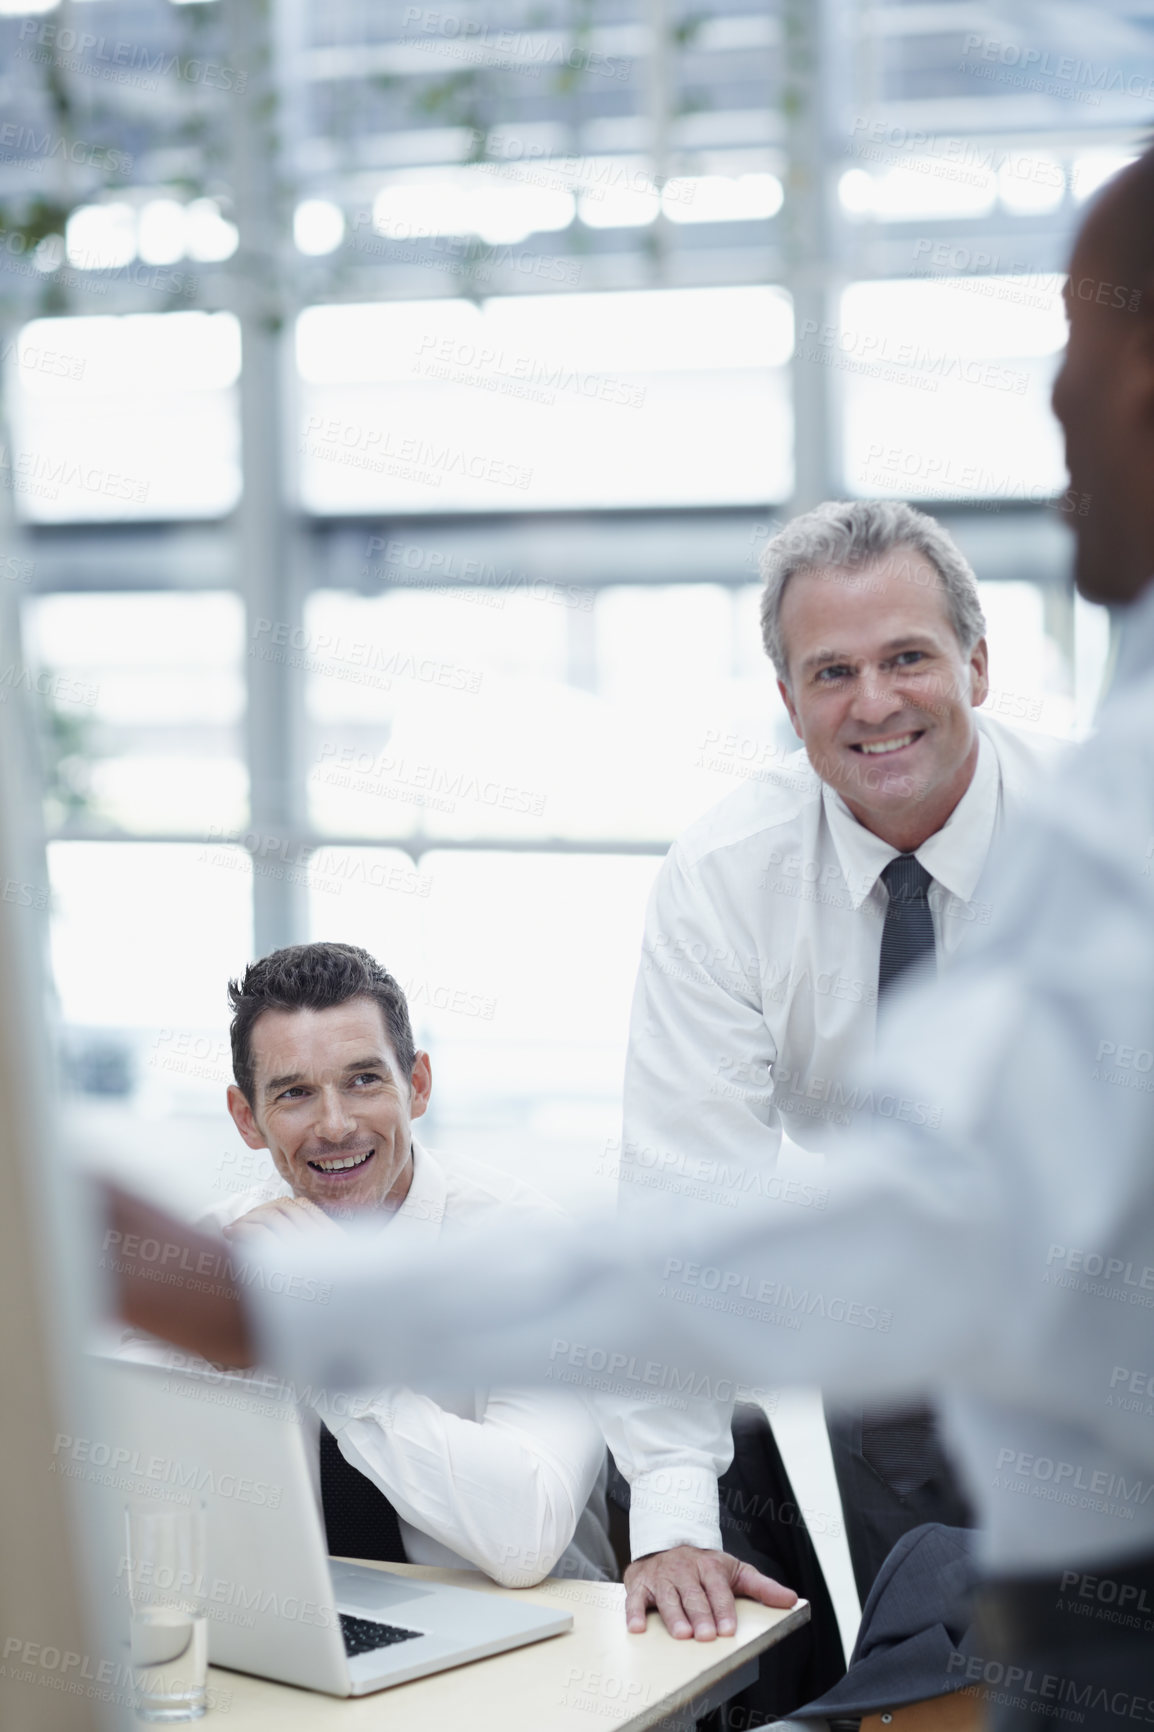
(843,534)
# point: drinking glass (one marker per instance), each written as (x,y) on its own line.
(169,1618)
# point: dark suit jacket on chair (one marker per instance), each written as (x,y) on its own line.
(914,1625)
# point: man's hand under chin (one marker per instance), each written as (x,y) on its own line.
(285,1218)
(694,1591)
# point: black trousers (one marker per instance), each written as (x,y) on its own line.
(1072,1650)
(876,1516)
(762,1524)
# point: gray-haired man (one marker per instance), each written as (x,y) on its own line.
(774,923)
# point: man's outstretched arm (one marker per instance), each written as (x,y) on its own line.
(173,1280)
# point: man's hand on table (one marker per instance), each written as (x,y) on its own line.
(694,1591)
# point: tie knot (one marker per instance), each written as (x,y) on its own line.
(906,879)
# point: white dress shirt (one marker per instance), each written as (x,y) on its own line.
(506,1481)
(755,1011)
(1000,1259)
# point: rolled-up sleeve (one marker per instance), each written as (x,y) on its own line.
(505,1490)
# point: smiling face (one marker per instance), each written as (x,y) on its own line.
(881,692)
(332,1107)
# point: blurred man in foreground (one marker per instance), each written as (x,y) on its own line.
(1012,1245)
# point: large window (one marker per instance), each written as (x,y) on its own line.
(541,712)
(126,418)
(483,718)
(549,401)
(586,302)
(142,699)
(947,387)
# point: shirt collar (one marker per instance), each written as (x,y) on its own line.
(954,856)
(423,1210)
(1135,639)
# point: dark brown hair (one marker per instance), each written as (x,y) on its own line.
(314,977)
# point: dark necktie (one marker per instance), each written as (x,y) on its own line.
(908,934)
(360,1522)
(898,1447)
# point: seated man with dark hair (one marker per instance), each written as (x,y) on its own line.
(328,1080)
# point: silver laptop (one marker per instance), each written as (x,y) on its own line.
(278,1605)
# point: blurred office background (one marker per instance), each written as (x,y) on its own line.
(396,399)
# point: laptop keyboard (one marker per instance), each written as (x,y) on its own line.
(362,1635)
